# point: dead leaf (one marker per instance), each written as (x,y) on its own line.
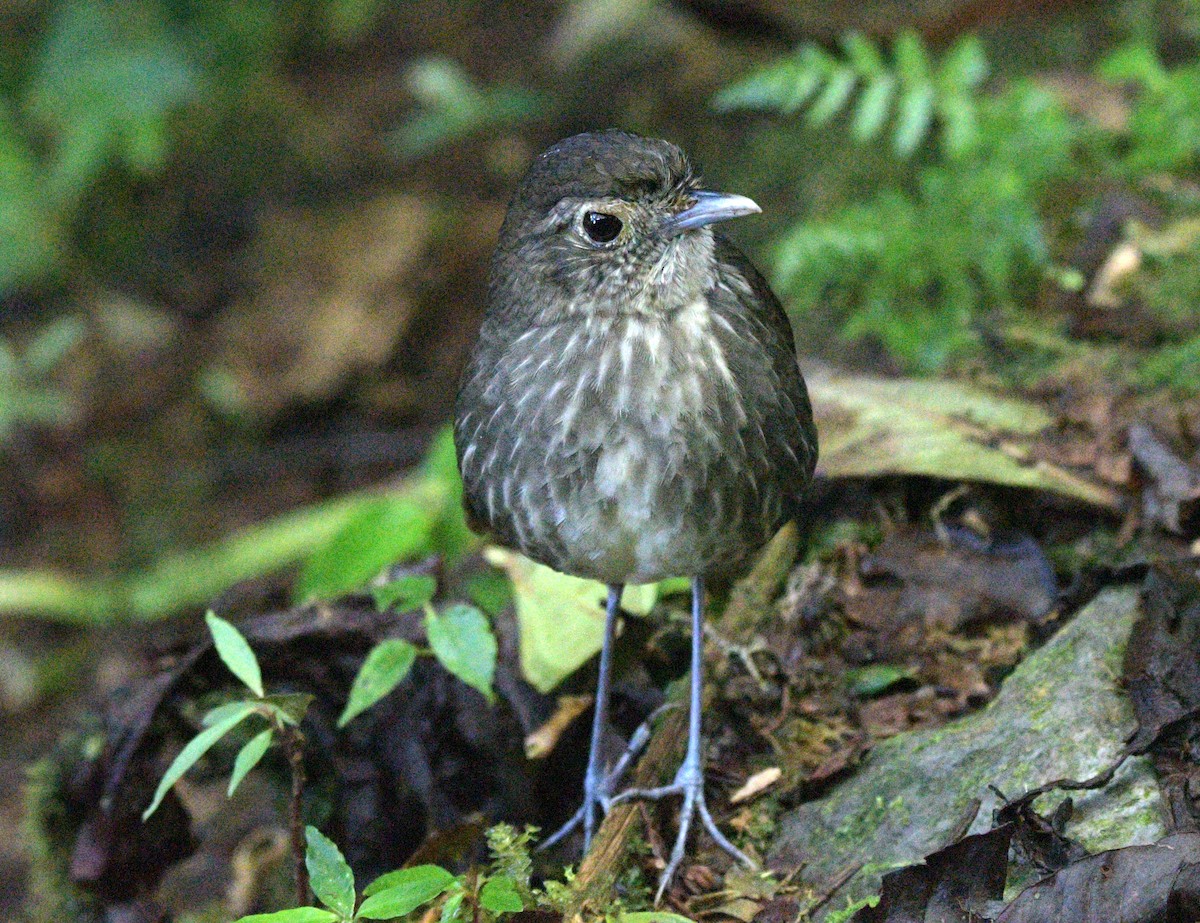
(872,427)
(1171,497)
(756,784)
(561,618)
(1159,883)
(539,744)
(954,885)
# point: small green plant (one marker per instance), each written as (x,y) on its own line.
(487,897)
(27,398)
(459,637)
(922,94)
(392,895)
(960,236)
(281,714)
(451,107)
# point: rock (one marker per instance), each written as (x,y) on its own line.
(1060,714)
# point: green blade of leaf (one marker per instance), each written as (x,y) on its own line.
(875,678)
(913,119)
(813,67)
(405,594)
(295,915)
(383,669)
(499,895)
(873,107)
(452,909)
(863,54)
(235,652)
(329,875)
(248,758)
(965,65)
(196,748)
(381,532)
(912,58)
(561,618)
(463,642)
(833,97)
(418,877)
(403,891)
(221,712)
(652,916)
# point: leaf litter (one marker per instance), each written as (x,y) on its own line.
(871,636)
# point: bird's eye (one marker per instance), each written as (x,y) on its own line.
(601,227)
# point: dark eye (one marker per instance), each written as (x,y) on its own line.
(601,227)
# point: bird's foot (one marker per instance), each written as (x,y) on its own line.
(689,784)
(597,794)
(598,787)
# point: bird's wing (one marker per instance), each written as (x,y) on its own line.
(792,439)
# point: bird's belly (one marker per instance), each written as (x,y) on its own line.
(632,521)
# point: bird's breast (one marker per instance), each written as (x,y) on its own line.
(597,442)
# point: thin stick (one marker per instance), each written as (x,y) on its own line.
(293,743)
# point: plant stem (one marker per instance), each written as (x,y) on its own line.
(293,742)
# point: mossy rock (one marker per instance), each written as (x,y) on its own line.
(1059,715)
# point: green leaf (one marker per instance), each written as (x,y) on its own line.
(863,54)
(875,678)
(833,98)
(490,590)
(248,758)
(221,712)
(652,916)
(295,915)
(383,669)
(235,652)
(463,642)
(965,66)
(913,119)
(330,876)
(403,891)
(383,531)
(561,618)
(452,909)
(499,895)
(873,107)
(420,878)
(912,59)
(405,594)
(196,748)
(290,707)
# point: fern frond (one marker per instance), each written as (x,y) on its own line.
(916,92)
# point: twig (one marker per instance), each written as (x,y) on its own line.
(602,866)
(293,744)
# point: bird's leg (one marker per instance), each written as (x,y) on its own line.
(689,780)
(596,785)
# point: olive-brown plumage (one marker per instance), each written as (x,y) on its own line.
(633,409)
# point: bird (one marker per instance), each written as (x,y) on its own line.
(633,408)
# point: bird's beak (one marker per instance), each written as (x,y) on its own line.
(711,207)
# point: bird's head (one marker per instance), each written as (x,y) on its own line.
(608,223)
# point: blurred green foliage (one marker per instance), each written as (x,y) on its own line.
(91,88)
(451,107)
(28,396)
(964,225)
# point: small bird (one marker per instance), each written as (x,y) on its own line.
(633,409)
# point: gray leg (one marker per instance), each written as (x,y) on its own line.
(689,780)
(595,782)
